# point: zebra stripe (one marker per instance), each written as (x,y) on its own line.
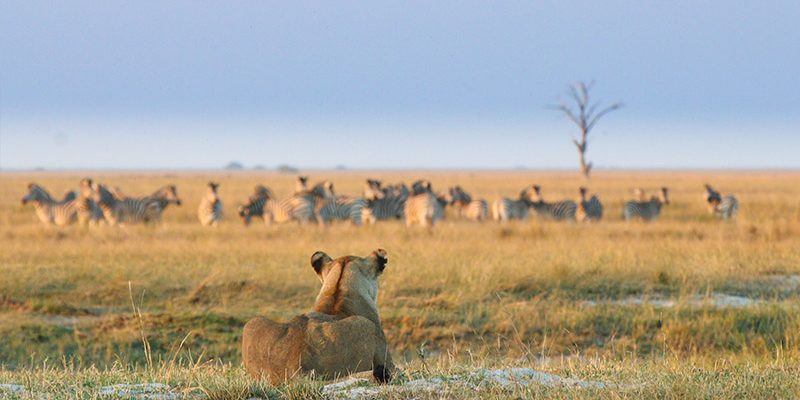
(424,209)
(49,210)
(342,208)
(723,207)
(507,209)
(645,210)
(118,211)
(727,207)
(589,210)
(563,210)
(210,210)
(559,211)
(476,210)
(255,204)
(298,208)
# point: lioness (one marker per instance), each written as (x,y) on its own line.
(342,335)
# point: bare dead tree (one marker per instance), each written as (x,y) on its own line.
(585,115)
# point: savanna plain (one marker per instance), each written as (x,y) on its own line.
(687,306)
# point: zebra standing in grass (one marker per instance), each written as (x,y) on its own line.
(563,210)
(331,207)
(262,204)
(507,209)
(423,207)
(383,203)
(724,207)
(163,197)
(255,204)
(62,212)
(589,210)
(210,210)
(476,210)
(49,210)
(119,211)
(646,210)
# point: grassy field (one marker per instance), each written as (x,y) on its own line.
(687,306)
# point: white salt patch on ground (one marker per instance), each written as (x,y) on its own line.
(359,388)
(142,391)
(12,388)
(717,300)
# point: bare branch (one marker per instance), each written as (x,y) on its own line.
(615,106)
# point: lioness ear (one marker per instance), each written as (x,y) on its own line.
(381,258)
(319,259)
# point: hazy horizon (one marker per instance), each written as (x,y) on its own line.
(187,85)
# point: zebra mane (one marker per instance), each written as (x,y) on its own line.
(39,192)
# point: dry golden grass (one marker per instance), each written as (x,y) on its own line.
(460,295)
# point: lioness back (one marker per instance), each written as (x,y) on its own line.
(341,336)
(316,342)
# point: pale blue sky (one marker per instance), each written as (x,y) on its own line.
(196,84)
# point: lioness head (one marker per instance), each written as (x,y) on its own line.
(349,284)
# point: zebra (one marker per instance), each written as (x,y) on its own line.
(328,206)
(73,207)
(162,198)
(255,204)
(563,210)
(476,210)
(383,203)
(507,209)
(298,208)
(423,206)
(118,211)
(51,211)
(589,210)
(724,207)
(210,210)
(646,210)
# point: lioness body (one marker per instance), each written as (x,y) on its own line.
(341,336)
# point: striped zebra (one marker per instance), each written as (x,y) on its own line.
(341,208)
(507,209)
(383,203)
(73,207)
(563,210)
(255,204)
(724,207)
(476,210)
(589,210)
(646,210)
(162,198)
(423,206)
(298,208)
(120,211)
(210,210)
(51,211)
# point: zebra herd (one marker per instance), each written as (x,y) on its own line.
(418,204)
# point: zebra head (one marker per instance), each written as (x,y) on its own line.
(36,194)
(260,192)
(373,190)
(212,193)
(664,197)
(421,186)
(168,194)
(537,192)
(712,196)
(528,195)
(323,190)
(301,185)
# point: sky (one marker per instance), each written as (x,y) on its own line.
(419,84)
